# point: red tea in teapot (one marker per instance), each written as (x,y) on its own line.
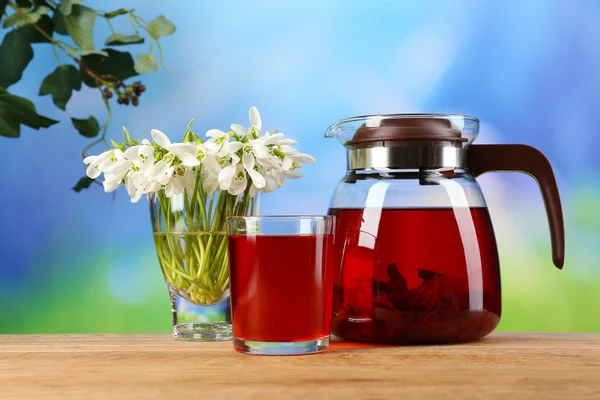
(415,275)
(415,249)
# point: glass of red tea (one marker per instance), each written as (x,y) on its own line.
(281,283)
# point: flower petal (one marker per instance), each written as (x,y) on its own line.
(226,176)
(92,171)
(89,159)
(274,138)
(210,184)
(169,189)
(303,158)
(146,151)
(239,130)
(186,152)
(238,186)
(215,133)
(160,138)
(248,161)
(119,168)
(287,141)
(234,147)
(255,119)
(211,166)
(131,190)
(152,187)
(295,174)
(287,164)
(259,149)
(257,179)
(132,153)
(110,186)
(270,184)
(211,146)
(166,177)
(287,149)
(137,197)
(280,178)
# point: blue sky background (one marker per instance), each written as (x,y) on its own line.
(529,70)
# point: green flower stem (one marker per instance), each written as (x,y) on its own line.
(191,243)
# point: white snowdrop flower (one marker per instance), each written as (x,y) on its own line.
(98,164)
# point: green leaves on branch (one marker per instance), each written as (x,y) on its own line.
(118,65)
(160,27)
(24,16)
(2,8)
(145,63)
(66,6)
(83,183)
(33,35)
(41,21)
(117,39)
(60,23)
(60,84)
(80,24)
(16,111)
(87,127)
(15,54)
(81,52)
(116,13)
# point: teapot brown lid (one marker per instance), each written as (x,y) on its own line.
(407,128)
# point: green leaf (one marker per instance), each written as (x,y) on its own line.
(33,35)
(83,183)
(145,63)
(16,111)
(9,127)
(116,13)
(60,84)
(87,127)
(15,53)
(117,39)
(118,65)
(80,23)
(25,16)
(66,6)
(88,52)
(160,27)
(2,8)
(60,23)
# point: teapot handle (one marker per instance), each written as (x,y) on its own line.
(484,158)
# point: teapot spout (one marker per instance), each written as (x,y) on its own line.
(341,130)
(333,131)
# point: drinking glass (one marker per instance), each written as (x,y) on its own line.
(281,271)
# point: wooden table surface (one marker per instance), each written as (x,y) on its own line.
(502,366)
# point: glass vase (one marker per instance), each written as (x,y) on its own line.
(191,244)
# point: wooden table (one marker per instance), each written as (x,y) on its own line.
(502,366)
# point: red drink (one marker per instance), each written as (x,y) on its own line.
(281,287)
(415,275)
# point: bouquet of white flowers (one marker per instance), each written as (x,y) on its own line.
(193,186)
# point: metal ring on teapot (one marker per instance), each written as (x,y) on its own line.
(407,157)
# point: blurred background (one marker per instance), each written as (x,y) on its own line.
(529,70)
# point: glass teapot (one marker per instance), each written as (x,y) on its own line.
(415,253)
